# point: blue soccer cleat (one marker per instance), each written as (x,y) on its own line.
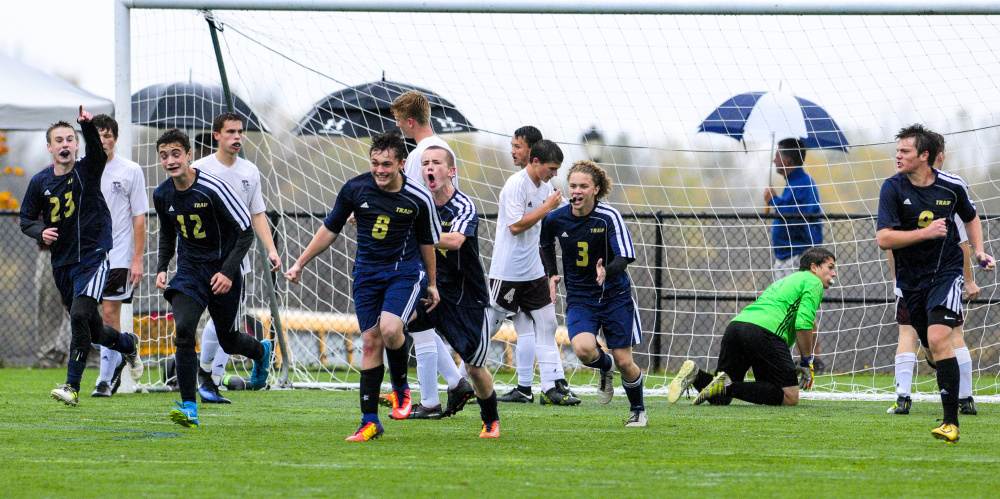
(258,377)
(185,414)
(210,393)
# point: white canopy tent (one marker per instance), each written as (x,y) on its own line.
(33,100)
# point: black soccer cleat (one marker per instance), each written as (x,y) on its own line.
(209,392)
(563,386)
(458,397)
(554,397)
(421,412)
(516,395)
(967,406)
(116,377)
(102,390)
(902,406)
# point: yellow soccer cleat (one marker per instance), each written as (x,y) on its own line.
(366,432)
(685,377)
(947,432)
(716,388)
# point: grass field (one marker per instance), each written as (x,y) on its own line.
(291,443)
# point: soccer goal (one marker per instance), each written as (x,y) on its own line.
(636,88)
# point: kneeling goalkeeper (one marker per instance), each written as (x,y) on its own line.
(761,337)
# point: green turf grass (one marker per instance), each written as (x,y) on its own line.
(291,443)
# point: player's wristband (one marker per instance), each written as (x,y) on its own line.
(806,361)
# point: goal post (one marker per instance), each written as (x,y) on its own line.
(626,84)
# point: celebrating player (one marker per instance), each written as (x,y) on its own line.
(124,188)
(215,234)
(76,225)
(461,314)
(916,221)
(760,338)
(244,179)
(517,277)
(598,296)
(413,112)
(397,229)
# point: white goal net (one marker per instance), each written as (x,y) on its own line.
(693,200)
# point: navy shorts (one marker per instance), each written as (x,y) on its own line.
(86,278)
(619,319)
(464,328)
(195,281)
(944,291)
(394,291)
(903,315)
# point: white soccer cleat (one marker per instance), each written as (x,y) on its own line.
(685,377)
(135,365)
(638,419)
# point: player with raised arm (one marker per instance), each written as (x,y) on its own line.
(244,178)
(394,265)
(598,296)
(413,112)
(76,225)
(461,315)
(517,277)
(203,219)
(916,220)
(761,337)
(124,188)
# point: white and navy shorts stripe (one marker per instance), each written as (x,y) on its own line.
(95,286)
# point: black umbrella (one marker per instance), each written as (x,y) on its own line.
(188,106)
(363,111)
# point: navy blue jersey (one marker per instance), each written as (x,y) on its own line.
(602,234)
(391,225)
(460,276)
(904,206)
(73,204)
(208,217)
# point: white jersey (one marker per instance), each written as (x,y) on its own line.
(412,168)
(516,258)
(124,189)
(244,178)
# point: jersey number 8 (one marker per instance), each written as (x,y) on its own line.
(381,227)
(57,208)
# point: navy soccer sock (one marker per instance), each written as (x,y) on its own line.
(603,362)
(633,390)
(397,368)
(371,380)
(488,408)
(74,372)
(187,373)
(948,378)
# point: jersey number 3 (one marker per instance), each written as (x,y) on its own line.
(57,209)
(584,258)
(381,227)
(197,232)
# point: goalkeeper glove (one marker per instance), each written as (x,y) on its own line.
(805,371)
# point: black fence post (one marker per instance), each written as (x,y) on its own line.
(658,294)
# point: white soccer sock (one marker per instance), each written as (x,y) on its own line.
(549,362)
(446,364)
(209,345)
(427,362)
(109,361)
(525,350)
(219,366)
(462,371)
(964,359)
(904,373)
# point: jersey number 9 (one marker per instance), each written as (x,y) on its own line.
(197,232)
(57,211)
(926,217)
(381,227)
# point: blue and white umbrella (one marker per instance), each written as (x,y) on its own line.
(772,116)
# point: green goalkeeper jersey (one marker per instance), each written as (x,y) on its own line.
(786,306)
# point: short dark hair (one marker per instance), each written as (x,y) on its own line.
(924,140)
(58,124)
(389,141)
(529,134)
(545,151)
(220,121)
(793,150)
(174,136)
(105,122)
(447,154)
(815,256)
